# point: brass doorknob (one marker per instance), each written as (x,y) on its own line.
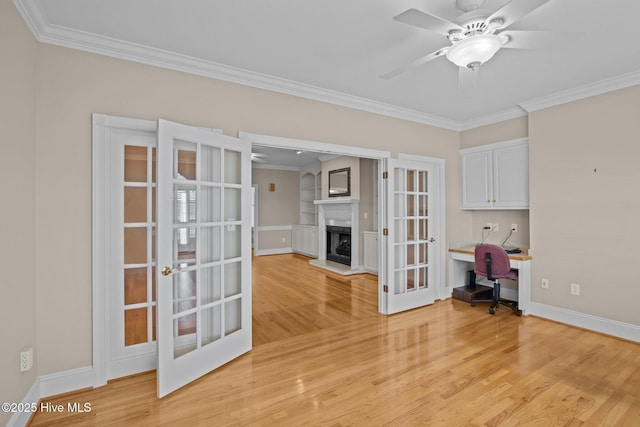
(168,270)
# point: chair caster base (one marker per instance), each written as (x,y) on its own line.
(492,311)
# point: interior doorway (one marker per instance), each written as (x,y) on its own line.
(124,343)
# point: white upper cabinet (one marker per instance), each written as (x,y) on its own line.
(496,176)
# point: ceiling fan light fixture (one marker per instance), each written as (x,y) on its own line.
(476,49)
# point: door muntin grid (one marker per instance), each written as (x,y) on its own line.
(411,229)
(207,227)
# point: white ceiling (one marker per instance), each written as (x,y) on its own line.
(335,50)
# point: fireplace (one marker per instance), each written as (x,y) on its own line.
(339,244)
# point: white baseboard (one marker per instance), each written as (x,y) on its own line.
(274,251)
(50,385)
(598,324)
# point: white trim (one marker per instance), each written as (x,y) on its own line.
(75,39)
(586,321)
(21,419)
(274,251)
(275,167)
(66,381)
(45,32)
(581,92)
(318,147)
(500,116)
(275,228)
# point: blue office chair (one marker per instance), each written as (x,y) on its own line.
(492,262)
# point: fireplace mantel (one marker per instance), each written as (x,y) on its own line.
(339,212)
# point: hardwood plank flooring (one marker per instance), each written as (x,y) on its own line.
(324,356)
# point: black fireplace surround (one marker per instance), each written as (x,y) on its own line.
(339,244)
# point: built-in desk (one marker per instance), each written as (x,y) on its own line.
(461,260)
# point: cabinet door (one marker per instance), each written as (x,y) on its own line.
(511,176)
(370,252)
(311,241)
(476,179)
(297,239)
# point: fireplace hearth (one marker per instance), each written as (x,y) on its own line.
(339,244)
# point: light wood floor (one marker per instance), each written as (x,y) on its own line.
(323,356)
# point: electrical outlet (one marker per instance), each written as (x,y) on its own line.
(575,289)
(488,226)
(496,227)
(544,283)
(26,359)
(514,228)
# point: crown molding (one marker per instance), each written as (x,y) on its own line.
(101,45)
(501,116)
(581,92)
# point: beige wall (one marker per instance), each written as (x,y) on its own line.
(585,204)
(69,86)
(279,207)
(17,216)
(340,163)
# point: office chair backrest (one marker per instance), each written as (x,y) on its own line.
(498,265)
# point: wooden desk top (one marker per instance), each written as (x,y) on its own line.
(470,250)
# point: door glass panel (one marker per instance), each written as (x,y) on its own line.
(423,255)
(411,205)
(400,281)
(411,254)
(135,285)
(135,245)
(135,204)
(153,165)
(398,179)
(231,204)
(209,244)
(232,170)
(211,325)
(399,208)
(210,164)
(232,243)
(422,205)
(184,333)
(185,201)
(135,325)
(153,204)
(185,246)
(186,161)
(232,316)
(400,256)
(411,230)
(232,279)
(422,181)
(411,177)
(400,230)
(209,204)
(422,277)
(135,164)
(210,284)
(184,291)
(423,229)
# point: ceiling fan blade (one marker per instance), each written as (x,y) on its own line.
(427,21)
(538,39)
(467,78)
(514,10)
(414,64)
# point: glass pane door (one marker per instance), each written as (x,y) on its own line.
(409,276)
(204,252)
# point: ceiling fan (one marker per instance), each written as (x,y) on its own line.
(478,36)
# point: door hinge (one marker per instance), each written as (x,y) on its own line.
(385,231)
(385,175)
(385,288)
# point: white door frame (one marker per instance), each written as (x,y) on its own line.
(381,156)
(101,174)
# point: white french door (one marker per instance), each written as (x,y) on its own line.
(413,241)
(203,252)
